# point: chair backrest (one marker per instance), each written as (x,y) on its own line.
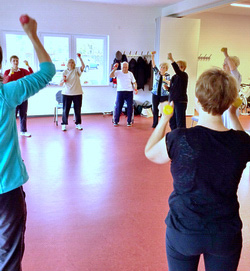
(59,97)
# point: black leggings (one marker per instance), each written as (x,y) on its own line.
(156,100)
(12,228)
(67,101)
(221,251)
(178,119)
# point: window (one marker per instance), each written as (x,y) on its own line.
(61,48)
(20,45)
(93,50)
(94,58)
(59,51)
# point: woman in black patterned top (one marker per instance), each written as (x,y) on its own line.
(207,162)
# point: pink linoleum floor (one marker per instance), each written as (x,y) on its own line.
(94,201)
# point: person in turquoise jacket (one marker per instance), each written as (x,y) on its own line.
(13,173)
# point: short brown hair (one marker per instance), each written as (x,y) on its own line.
(216,91)
(16,57)
(182,64)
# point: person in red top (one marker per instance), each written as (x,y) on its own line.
(14,74)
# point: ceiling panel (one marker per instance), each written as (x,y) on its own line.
(159,3)
(225,9)
(234,10)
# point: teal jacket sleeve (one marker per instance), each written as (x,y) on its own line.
(16,92)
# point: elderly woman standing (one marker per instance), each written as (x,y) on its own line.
(72,92)
(160,89)
(230,66)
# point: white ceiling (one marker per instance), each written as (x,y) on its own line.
(235,10)
(224,9)
(158,3)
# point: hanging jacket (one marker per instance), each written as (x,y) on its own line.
(124,58)
(141,68)
(133,67)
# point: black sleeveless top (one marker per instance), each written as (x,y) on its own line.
(206,168)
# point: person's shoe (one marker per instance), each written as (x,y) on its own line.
(25,134)
(129,124)
(64,127)
(116,124)
(78,126)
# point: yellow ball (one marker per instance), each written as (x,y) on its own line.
(167,109)
(223,49)
(237,102)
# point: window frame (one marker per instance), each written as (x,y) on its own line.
(6,62)
(72,50)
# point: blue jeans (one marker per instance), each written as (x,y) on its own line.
(22,109)
(221,251)
(120,98)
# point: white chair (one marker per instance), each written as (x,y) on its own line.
(59,106)
(194,119)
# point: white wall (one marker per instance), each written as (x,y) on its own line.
(180,36)
(217,31)
(129,29)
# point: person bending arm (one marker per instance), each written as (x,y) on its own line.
(156,149)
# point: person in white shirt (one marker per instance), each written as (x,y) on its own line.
(72,92)
(230,66)
(126,84)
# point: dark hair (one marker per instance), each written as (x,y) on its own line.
(13,57)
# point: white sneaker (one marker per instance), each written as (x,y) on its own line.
(25,134)
(78,126)
(64,127)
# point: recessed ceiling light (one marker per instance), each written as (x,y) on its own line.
(240,5)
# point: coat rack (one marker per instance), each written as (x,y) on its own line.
(148,54)
(204,58)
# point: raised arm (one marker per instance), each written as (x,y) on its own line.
(112,74)
(228,60)
(82,63)
(177,66)
(174,64)
(170,57)
(16,92)
(31,30)
(153,58)
(28,66)
(234,120)
(7,76)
